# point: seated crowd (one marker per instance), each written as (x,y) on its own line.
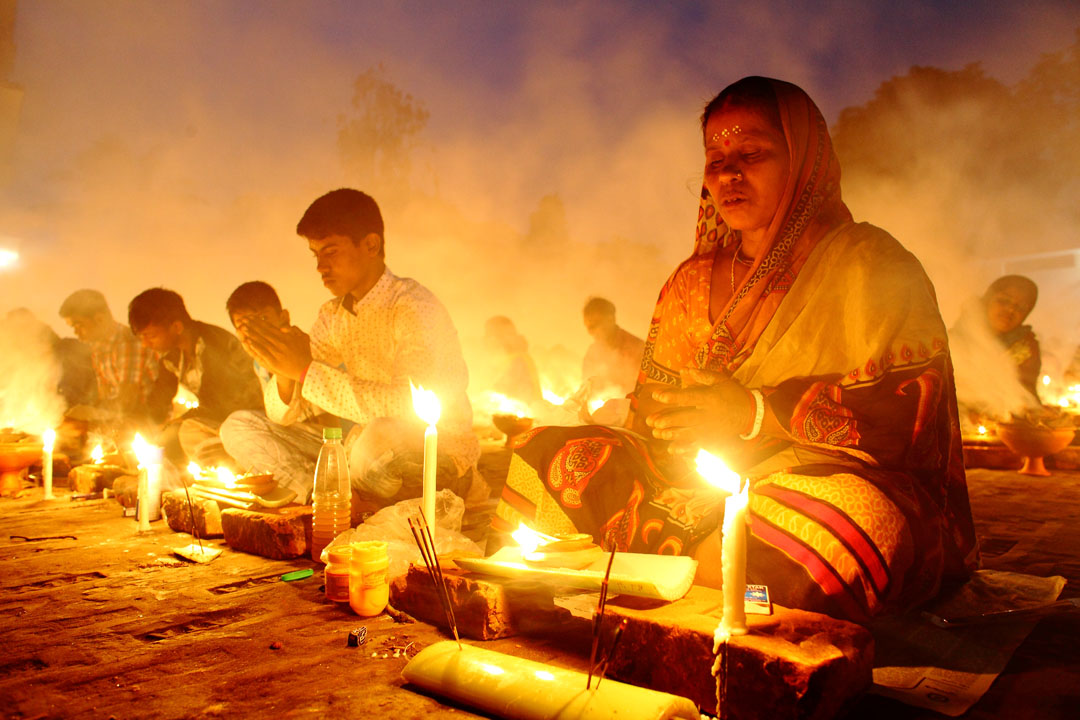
(804,348)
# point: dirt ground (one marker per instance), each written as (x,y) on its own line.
(111,624)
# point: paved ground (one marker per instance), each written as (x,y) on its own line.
(109,624)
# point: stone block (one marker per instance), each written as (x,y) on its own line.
(177,511)
(793,665)
(485,607)
(92,478)
(126,489)
(277,534)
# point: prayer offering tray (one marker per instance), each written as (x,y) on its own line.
(663,577)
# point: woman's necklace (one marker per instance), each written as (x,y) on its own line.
(736,256)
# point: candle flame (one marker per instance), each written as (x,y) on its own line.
(145,453)
(503,405)
(426,404)
(225,476)
(194,470)
(527,538)
(48,438)
(551,397)
(530,540)
(1046,379)
(141,448)
(982,429)
(716,473)
(97,454)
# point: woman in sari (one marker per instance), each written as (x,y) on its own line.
(805,350)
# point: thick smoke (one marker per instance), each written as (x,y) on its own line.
(29,375)
(555,152)
(949,164)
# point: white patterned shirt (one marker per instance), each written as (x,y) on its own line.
(364,353)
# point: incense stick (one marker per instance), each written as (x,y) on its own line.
(426,545)
(602,669)
(194,525)
(598,619)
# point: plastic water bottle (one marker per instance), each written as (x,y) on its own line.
(332,497)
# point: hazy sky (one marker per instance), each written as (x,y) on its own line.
(177,143)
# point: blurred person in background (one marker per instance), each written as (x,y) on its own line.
(128,395)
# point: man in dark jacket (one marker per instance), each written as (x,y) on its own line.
(207,362)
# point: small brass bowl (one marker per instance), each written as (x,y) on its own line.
(512,425)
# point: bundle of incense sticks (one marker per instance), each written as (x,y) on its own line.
(598,619)
(426,545)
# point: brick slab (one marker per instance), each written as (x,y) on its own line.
(485,608)
(177,511)
(279,535)
(793,665)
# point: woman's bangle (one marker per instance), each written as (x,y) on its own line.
(759,415)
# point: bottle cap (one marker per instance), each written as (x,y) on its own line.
(331,433)
(340,554)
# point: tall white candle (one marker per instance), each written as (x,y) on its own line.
(427,407)
(48,439)
(431,450)
(155,458)
(733,550)
(142,454)
(733,560)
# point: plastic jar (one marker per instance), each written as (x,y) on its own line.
(369,591)
(336,576)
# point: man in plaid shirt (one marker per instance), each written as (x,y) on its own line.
(126,372)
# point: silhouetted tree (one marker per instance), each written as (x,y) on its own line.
(374,140)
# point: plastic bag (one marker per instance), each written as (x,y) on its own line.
(391,525)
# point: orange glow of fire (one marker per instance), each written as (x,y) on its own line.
(716,473)
(223,475)
(551,397)
(502,405)
(97,454)
(529,539)
(426,404)
(1067,398)
(982,429)
(142,449)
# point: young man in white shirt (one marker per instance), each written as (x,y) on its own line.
(379,333)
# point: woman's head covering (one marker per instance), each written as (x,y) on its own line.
(809,207)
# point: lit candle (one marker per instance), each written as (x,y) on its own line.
(427,407)
(48,438)
(733,550)
(150,459)
(97,454)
